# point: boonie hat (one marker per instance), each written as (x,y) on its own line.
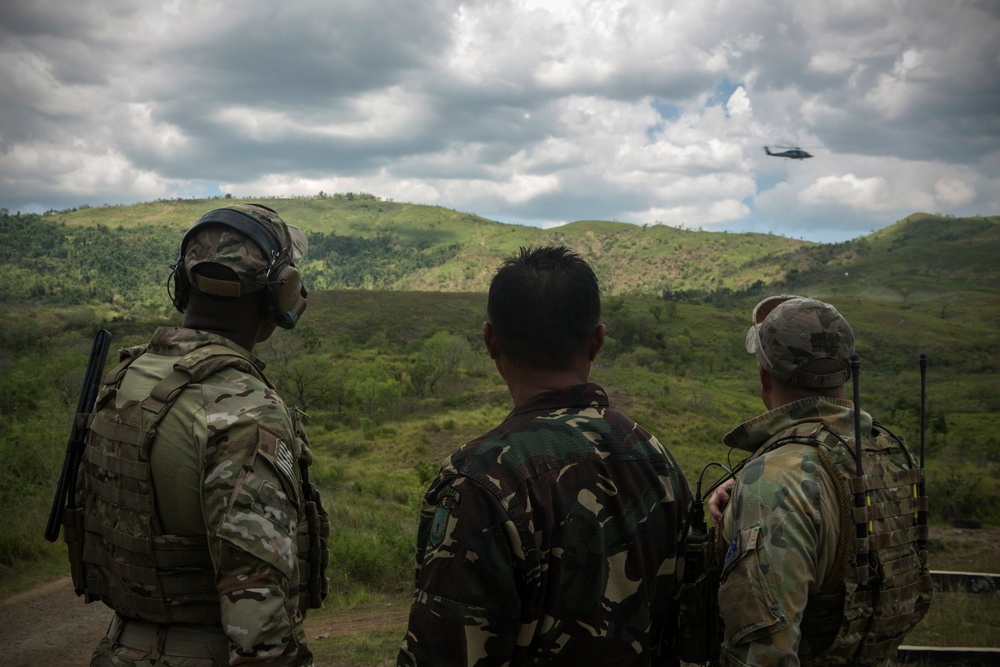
(789,333)
(223,245)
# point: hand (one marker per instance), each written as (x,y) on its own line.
(720,498)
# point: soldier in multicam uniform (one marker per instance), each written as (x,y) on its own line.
(800,583)
(191,497)
(556,538)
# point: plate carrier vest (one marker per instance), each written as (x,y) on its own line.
(151,576)
(880,586)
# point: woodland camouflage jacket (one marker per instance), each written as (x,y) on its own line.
(555,539)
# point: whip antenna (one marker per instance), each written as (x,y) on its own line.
(855,368)
(922,487)
(923,403)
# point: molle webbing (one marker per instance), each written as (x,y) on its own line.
(117,549)
(886,503)
(144,574)
(312,541)
(834,582)
(883,580)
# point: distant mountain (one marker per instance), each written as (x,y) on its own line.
(922,254)
(361,241)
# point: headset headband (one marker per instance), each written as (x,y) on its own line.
(259,233)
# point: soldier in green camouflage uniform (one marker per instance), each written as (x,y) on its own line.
(223,474)
(794,589)
(556,538)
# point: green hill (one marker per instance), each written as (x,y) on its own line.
(388,359)
(123,253)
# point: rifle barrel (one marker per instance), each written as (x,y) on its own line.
(66,486)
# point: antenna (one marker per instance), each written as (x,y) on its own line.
(922,512)
(923,403)
(861,498)
(855,371)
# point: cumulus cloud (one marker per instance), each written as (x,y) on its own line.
(536,111)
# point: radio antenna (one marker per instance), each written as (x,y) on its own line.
(923,403)
(861,497)
(922,512)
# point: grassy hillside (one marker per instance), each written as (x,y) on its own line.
(393,381)
(121,255)
(389,365)
(364,242)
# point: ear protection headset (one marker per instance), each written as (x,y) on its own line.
(284,294)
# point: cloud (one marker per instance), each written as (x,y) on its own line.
(523,110)
(953,192)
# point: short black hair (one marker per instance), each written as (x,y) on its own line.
(544,305)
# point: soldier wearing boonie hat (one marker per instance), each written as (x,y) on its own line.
(225,543)
(793,587)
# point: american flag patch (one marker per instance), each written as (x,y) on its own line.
(284,460)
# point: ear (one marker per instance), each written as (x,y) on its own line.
(490,339)
(765,380)
(596,342)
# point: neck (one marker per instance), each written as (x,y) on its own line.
(242,325)
(776,393)
(524,383)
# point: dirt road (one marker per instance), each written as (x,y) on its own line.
(49,626)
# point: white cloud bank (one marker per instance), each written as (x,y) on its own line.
(527,111)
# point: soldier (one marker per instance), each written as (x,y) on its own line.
(194,514)
(556,538)
(811,574)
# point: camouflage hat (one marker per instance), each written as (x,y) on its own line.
(216,242)
(789,333)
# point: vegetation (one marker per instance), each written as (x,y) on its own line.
(388,361)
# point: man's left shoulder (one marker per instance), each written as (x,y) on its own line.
(231,394)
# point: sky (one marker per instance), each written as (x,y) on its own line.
(534,112)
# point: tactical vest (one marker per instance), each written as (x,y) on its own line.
(117,550)
(880,586)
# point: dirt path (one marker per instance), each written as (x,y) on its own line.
(49,625)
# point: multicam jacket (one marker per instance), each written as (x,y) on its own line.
(794,589)
(224,476)
(554,539)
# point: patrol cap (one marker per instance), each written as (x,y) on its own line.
(795,339)
(213,240)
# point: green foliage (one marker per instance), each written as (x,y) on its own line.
(367,263)
(395,380)
(358,241)
(49,261)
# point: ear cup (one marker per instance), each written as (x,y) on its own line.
(179,294)
(286,296)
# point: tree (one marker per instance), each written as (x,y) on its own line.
(442,356)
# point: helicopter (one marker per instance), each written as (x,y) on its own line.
(793,152)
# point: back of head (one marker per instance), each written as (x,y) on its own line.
(544,304)
(239,250)
(802,342)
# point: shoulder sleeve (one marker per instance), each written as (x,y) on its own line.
(465,608)
(250,501)
(773,528)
